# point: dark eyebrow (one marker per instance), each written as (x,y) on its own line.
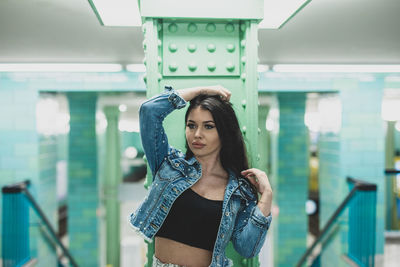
(203,121)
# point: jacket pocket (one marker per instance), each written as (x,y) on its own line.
(168,172)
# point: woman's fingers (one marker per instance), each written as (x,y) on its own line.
(257,178)
(217,90)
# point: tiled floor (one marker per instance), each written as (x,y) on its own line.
(392,250)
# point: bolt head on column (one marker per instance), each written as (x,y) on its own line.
(211,27)
(211,48)
(172,27)
(229,27)
(230,67)
(173,67)
(192,48)
(192,27)
(192,66)
(173,48)
(230,48)
(211,66)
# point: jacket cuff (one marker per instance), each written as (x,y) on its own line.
(259,219)
(174,98)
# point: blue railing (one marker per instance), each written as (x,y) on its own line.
(17,201)
(361,202)
(362,223)
(15,228)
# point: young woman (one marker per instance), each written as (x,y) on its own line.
(201,200)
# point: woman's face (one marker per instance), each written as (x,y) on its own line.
(201,133)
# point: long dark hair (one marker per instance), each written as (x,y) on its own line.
(233,149)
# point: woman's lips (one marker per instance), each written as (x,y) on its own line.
(198,145)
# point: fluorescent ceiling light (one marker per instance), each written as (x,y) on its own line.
(278,12)
(136,67)
(335,68)
(117,12)
(67,67)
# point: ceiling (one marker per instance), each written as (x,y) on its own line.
(325,31)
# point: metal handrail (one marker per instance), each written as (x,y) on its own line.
(358,186)
(22,187)
(392,171)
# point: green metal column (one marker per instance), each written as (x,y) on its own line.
(204,43)
(390,182)
(263,138)
(110,187)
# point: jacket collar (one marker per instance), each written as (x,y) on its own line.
(192,161)
(233,182)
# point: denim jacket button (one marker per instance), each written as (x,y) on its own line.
(177,164)
(227,213)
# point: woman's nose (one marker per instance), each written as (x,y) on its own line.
(197,133)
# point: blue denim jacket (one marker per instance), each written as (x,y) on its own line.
(242,222)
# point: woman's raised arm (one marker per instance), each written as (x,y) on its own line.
(153,112)
(151,116)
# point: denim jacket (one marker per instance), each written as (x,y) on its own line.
(242,222)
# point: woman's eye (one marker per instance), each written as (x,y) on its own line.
(208,126)
(191,125)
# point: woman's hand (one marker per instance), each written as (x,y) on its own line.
(260,180)
(216,90)
(190,93)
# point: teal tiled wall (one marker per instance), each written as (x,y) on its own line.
(362,139)
(47,198)
(26,155)
(83,200)
(356,151)
(292,182)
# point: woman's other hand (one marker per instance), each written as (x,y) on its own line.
(260,180)
(216,90)
(190,93)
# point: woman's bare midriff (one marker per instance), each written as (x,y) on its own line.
(170,251)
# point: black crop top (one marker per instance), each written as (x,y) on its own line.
(193,220)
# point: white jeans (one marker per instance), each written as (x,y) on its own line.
(158,263)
